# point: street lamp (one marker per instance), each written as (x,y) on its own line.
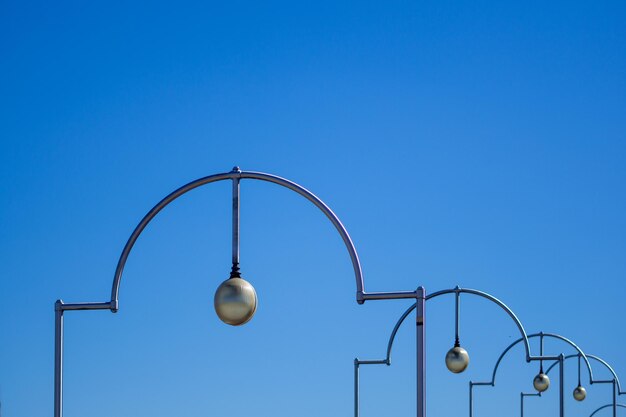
(235,299)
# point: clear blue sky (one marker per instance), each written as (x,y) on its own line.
(473,143)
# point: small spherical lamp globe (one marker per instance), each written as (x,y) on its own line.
(541,382)
(580,393)
(457,359)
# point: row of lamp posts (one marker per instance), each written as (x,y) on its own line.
(235,299)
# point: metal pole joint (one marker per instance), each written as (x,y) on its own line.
(360,297)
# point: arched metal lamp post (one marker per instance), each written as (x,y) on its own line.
(457,358)
(235,299)
(541,382)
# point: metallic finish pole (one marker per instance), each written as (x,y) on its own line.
(522,396)
(421,362)
(614,398)
(561,386)
(457,311)
(58,359)
(356,388)
(471,400)
(579,369)
(541,351)
(235,270)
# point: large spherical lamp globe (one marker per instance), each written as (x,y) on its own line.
(541,382)
(235,301)
(457,359)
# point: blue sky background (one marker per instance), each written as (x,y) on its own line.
(473,143)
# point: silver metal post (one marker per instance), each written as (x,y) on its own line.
(235,270)
(421,362)
(579,369)
(58,359)
(356,388)
(456,316)
(561,386)
(541,351)
(614,398)
(524,395)
(471,399)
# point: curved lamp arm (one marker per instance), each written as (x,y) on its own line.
(459,290)
(597,359)
(605,406)
(541,334)
(617,383)
(236,174)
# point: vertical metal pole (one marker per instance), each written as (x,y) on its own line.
(614,398)
(541,352)
(579,356)
(521,401)
(235,270)
(356,388)
(456,318)
(421,362)
(471,402)
(561,386)
(58,359)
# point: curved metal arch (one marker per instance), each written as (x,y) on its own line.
(552,335)
(606,406)
(395,330)
(458,290)
(610,368)
(598,359)
(236,174)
